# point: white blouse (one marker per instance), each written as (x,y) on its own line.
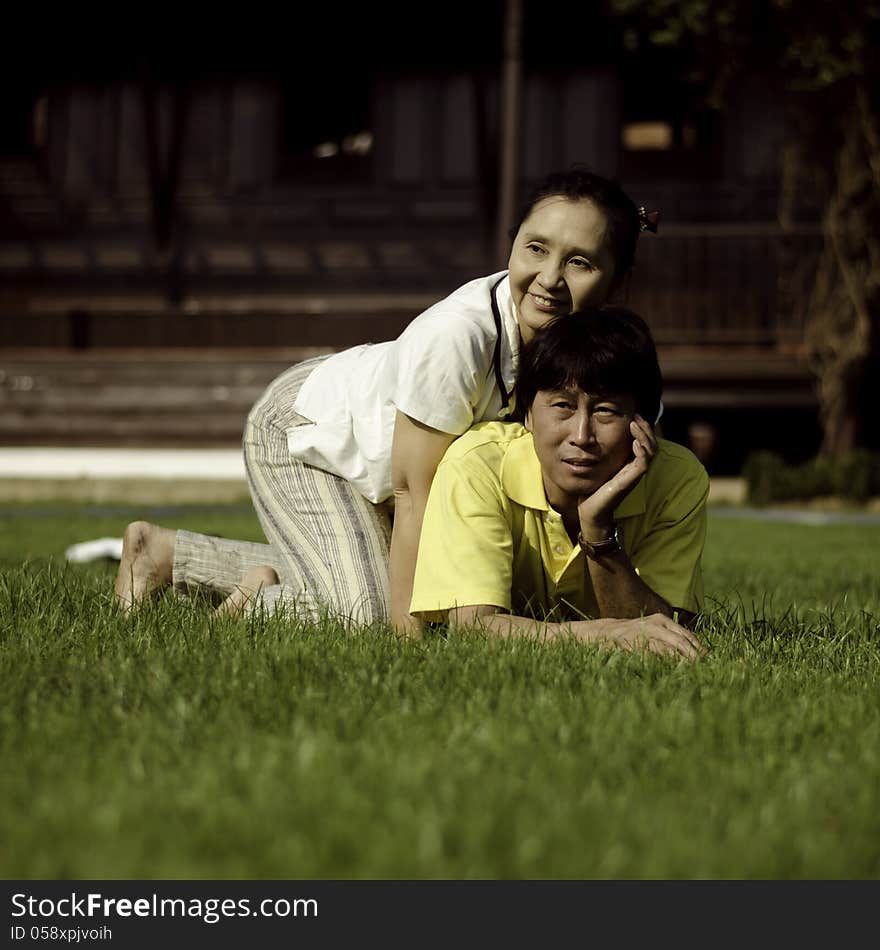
(441,371)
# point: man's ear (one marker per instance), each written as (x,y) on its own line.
(527,422)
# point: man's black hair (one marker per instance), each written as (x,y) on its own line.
(604,351)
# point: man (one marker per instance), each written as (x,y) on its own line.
(579,513)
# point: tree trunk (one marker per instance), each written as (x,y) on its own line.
(843,324)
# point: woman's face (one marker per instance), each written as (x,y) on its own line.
(561,261)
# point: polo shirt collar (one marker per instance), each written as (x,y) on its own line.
(521,476)
(523,482)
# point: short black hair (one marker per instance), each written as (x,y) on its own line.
(603,351)
(622,215)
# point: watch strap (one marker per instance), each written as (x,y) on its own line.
(599,549)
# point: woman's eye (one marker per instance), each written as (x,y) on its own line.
(580,262)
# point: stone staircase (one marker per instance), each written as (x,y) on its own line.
(187,396)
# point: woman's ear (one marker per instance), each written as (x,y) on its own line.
(527,422)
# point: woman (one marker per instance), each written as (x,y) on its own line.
(337,445)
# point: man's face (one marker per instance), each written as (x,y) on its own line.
(581,441)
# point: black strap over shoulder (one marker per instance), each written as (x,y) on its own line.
(496,355)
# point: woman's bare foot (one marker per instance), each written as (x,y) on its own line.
(251,584)
(146,562)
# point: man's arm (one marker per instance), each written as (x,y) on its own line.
(655,633)
(619,590)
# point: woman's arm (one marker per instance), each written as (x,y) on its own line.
(655,633)
(416,451)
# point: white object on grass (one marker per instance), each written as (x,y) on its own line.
(110,548)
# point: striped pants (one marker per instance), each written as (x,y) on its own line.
(327,543)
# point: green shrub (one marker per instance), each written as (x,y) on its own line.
(761,473)
(854,476)
(857,475)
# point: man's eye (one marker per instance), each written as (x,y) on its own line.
(562,404)
(535,248)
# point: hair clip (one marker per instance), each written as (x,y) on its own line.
(648,220)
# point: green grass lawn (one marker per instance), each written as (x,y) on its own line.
(168,746)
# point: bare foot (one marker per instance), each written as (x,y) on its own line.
(146,562)
(251,584)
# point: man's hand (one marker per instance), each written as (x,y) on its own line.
(596,511)
(655,634)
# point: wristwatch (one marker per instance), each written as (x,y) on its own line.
(599,549)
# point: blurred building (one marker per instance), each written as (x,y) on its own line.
(191,237)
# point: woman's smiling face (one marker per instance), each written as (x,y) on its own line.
(561,261)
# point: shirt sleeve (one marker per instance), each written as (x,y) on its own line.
(441,369)
(667,558)
(466,546)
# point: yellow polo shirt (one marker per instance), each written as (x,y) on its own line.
(490,536)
